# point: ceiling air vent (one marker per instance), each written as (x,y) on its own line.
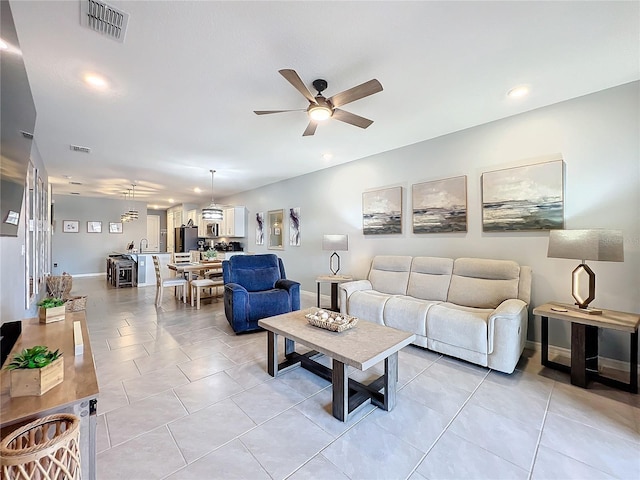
(27,134)
(75,183)
(104,19)
(78,148)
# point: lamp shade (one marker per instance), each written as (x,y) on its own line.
(335,243)
(599,245)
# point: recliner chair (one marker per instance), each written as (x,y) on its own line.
(255,287)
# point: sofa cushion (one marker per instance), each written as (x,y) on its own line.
(368,305)
(430,277)
(457,325)
(483,283)
(390,274)
(408,314)
(268,303)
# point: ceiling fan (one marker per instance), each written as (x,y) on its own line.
(321,108)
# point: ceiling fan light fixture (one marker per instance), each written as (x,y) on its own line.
(319,113)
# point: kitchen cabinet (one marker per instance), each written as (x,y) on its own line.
(233,224)
(193,216)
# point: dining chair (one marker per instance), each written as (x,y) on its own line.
(161,283)
(195,256)
(181,257)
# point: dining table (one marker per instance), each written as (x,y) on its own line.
(191,270)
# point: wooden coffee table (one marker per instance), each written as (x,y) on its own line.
(361,347)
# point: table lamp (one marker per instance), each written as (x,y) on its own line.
(599,245)
(335,243)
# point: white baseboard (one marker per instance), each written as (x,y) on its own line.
(565,352)
(89,274)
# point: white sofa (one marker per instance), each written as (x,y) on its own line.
(471,308)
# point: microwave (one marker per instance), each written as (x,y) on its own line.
(213,230)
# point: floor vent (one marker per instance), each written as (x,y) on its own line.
(104,19)
(78,148)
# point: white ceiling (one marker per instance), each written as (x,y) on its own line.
(185,82)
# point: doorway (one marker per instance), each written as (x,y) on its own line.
(153,232)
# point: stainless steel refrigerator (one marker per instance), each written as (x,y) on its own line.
(186,239)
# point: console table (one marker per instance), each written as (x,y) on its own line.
(77,394)
(334,280)
(584,342)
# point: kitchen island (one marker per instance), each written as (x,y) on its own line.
(146,274)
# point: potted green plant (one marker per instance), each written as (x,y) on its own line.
(35,371)
(51,310)
(210,255)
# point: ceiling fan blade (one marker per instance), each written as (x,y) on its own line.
(311,129)
(356,93)
(351,118)
(294,79)
(267,112)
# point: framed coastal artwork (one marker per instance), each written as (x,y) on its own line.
(382,211)
(524,198)
(94,227)
(294,227)
(440,206)
(115,227)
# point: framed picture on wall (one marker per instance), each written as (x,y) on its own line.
(70,226)
(94,227)
(530,197)
(115,227)
(440,206)
(382,211)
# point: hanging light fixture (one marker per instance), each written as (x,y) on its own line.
(213,211)
(124,218)
(133,213)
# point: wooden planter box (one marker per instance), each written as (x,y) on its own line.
(53,314)
(36,381)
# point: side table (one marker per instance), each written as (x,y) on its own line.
(584,343)
(334,280)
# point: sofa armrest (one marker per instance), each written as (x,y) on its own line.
(348,288)
(511,315)
(293,288)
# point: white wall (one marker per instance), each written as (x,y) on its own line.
(596,135)
(85,253)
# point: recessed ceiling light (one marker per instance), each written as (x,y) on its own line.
(327,156)
(519,91)
(171,200)
(96,81)
(67,176)
(197,190)
(3,45)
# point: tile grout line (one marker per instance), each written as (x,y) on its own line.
(544,420)
(448,425)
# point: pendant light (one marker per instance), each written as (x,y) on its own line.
(133,213)
(213,211)
(124,218)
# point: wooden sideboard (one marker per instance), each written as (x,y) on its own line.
(77,394)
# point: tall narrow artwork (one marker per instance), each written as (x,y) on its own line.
(382,211)
(440,206)
(294,227)
(524,198)
(260,228)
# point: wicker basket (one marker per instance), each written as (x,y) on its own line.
(45,449)
(76,304)
(336,322)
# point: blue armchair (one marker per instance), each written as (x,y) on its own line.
(255,287)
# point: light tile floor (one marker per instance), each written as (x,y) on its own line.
(182,397)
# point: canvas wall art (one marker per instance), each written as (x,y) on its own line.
(260,228)
(294,227)
(440,206)
(524,198)
(382,211)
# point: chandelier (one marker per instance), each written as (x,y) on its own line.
(213,211)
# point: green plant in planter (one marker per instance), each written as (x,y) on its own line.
(210,254)
(50,302)
(34,357)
